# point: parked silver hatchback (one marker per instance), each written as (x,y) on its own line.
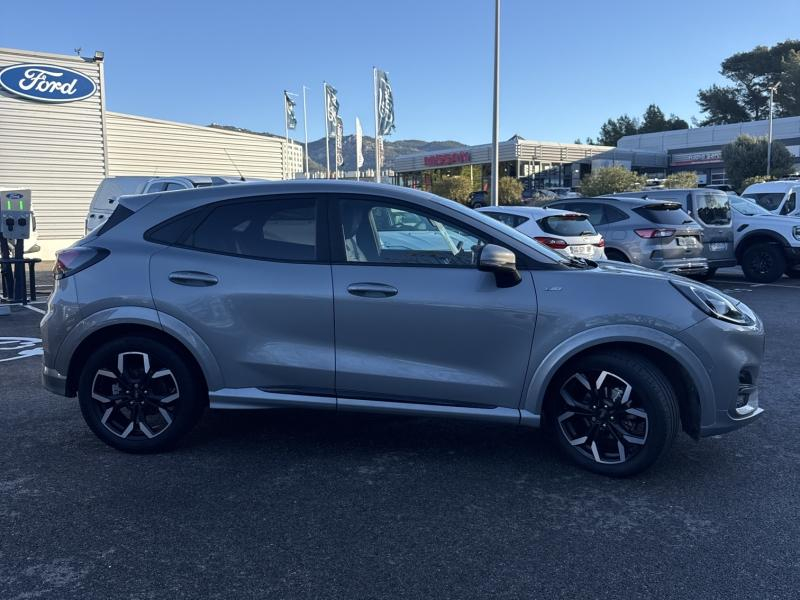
(360,297)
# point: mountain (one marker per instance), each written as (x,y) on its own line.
(391,149)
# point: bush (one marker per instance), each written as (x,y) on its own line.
(746,157)
(510,191)
(611,180)
(456,188)
(681,180)
(751,180)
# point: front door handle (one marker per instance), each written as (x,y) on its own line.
(193,278)
(372,290)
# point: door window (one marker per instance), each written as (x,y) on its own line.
(381,233)
(789,205)
(280,229)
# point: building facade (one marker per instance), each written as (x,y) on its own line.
(61,148)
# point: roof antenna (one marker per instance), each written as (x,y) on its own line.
(234,165)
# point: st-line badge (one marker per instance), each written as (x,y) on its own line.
(46,83)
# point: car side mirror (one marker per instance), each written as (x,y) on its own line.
(502,262)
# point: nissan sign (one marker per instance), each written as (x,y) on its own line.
(451,158)
(46,83)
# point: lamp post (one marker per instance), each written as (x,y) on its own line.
(772,90)
(495,180)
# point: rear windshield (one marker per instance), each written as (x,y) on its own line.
(713,208)
(770,201)
(663,214)
(567,225)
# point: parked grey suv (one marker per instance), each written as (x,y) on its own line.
(654,234)
(360,297)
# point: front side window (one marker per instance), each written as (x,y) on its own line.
(378,232)
(280,229)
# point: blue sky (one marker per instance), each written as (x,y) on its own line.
(566,66)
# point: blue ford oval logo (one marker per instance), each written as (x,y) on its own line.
(13,196)
(46,83)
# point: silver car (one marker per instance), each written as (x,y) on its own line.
(322,295)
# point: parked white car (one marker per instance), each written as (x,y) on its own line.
(766,245)
(568,232)
(111,188)
(778,197)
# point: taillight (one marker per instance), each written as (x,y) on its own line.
(555,243)
(654,233)
(72,260)
(601,243)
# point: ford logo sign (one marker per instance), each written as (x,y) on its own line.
(46,83)
(13,196)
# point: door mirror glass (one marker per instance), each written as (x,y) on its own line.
(502,262)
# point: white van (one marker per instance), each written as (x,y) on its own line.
(111,188)
(778,197)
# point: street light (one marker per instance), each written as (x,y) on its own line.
(772,90)
(494,185)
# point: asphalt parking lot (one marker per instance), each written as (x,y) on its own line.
(284,504)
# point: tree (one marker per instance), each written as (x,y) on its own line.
(509,191)
(652,120)
(751,74)
(455,188)
(613,129)
(681,180)
(746,157)
(611,180)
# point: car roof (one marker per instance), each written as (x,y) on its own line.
(773,186)
(630,201)
(534,212)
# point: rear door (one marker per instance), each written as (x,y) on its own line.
(252,278)
(416,321)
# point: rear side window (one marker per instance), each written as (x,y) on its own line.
(664,214)
(118,216)
(508,219)
(713,208)
(595,210)
(567,225)
(174,231)
(770,201)
(280,229)
(614,215)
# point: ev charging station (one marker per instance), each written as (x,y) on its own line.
(15,228)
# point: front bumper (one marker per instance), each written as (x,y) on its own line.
(732,356)
(54,382)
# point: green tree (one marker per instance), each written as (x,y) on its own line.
(751,74)
(611,180)
(652,120)
(746,157)
(456,187)
(509,191)
(681,180)
(613,129)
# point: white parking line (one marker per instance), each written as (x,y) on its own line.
(755,285)
(33,308)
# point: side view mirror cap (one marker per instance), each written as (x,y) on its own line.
(502,262)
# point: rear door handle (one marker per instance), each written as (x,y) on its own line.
(372,290)
(193,278)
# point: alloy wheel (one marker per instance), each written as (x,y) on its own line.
(601,417)
(134,398)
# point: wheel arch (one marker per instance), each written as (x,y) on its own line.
(759,236)
(692,385)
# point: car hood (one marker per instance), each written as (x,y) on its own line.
(611,267)
(771,220)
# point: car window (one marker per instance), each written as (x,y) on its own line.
(379,232)
(277,229)
(614,215)
(747,207)
(567,225)
(664,214)
(507,219)
(713,208)
(594,210)
(789,205)
(174,231)
(771,201)
(174,186)
(157,186)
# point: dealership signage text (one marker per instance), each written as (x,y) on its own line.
(451,158)
(46,83)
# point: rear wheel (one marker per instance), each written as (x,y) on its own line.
(614,414)
(763,263)
(616,255)
(139,395)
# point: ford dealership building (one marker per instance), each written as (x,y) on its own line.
(58,139)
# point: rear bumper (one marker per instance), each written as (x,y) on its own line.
(695,266)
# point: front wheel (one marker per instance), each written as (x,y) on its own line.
(138,394)
(763,263)
(614,414)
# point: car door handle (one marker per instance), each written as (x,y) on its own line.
(193,278)
(372,290)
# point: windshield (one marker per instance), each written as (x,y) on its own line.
(713,207)
(747,207)
(567,225)
(771,200)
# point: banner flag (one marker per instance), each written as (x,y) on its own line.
(291,118)
(385,104)
(359,148)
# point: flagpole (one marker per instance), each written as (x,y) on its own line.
(327,134)
(494,192)
(377,133)
(305,128)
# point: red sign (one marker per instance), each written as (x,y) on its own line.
(452,158)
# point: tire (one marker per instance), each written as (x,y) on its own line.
(763,263)
(704,276)
(634,406)
(140,395)
(617,256)
(792,272)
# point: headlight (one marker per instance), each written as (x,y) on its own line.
(796,232)
(715,304)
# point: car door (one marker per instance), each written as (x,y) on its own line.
(416,321)
(252,279)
